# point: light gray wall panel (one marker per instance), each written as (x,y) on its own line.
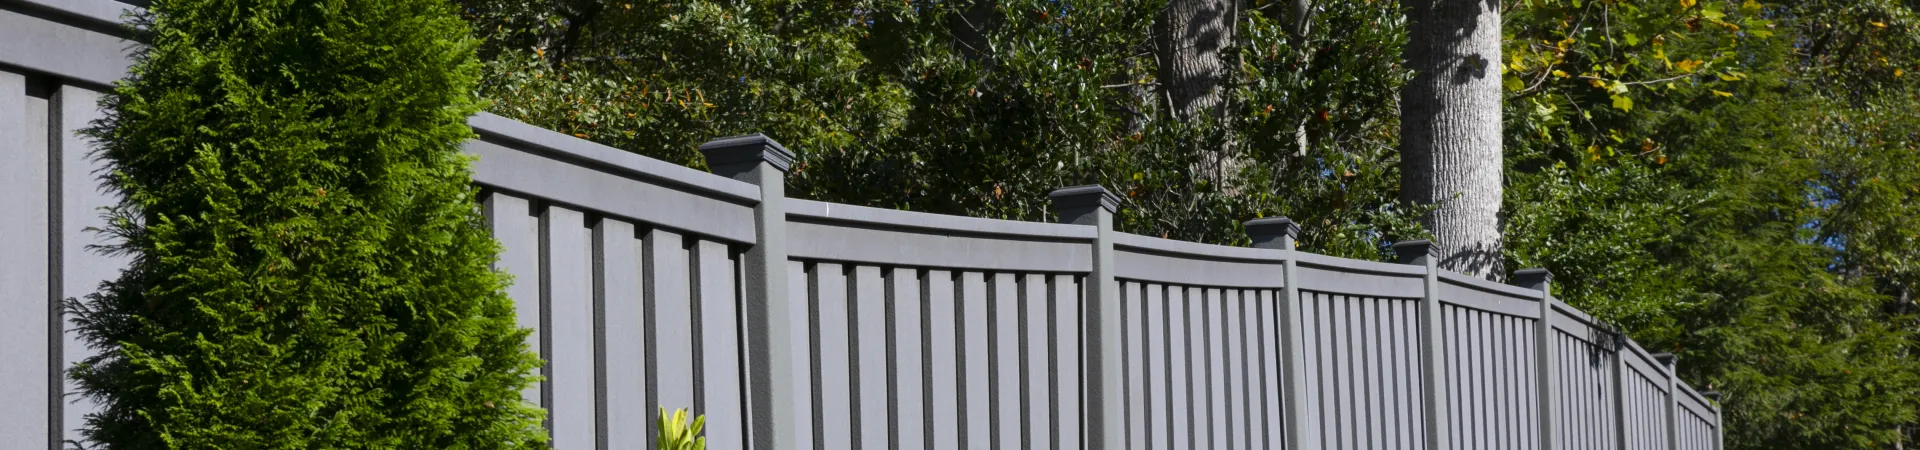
(569,319)
(834,370)
(977,401)
(519,170)
(1270,427)
(24,301)
(517,227)
(910,360)
(837,242)
(1067,313)
(1037,342)
(870,317)
(944,355)
(623,339)
(82,199)
(670,320)
(1241,392)
(1003,343)
(720,381)
(799,290)
(1217,416)
(1180,356)
(1133,296)
(1159,369)
(1316,337)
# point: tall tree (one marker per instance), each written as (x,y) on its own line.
(1450,135)
(310,268)
(1190,41)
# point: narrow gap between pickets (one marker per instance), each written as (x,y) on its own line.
(889,276)
(929,432)
(813,361)
(545,241)
(697,299)
(1021,351)
(597,247)
(56,275)
(850,274)
(960,357)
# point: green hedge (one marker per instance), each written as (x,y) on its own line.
(310,269)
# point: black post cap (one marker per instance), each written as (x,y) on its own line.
(735,154)
(1538,279)
(1273,232)
(1416,252)
(1092,195)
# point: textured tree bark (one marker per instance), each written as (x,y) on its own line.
(1189,38)
(1450,129)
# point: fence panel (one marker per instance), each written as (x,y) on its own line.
(1201,345)
(1587,418)
(914,330)
(630,312)
(1490,342)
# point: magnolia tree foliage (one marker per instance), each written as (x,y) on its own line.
(309,266)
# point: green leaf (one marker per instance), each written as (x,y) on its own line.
(1623,103)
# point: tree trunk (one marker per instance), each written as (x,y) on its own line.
(1450,129)
(1190,38)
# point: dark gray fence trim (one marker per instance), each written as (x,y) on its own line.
(1467,297)
(821,231)
(823,212)
(581,152)
(543,164)
(1451,280)
(1160,260)
(1103,390)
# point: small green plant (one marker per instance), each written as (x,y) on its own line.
(676,434)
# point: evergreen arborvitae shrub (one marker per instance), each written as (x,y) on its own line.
(310,269)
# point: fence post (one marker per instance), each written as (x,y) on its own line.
(1103,391)
(770,316)
(1718,432)
(1302,422)
(1545,352)
(1433,366)
(1673,397)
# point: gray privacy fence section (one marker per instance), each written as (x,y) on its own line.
(795,324)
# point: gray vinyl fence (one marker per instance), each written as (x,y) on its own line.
(795,324)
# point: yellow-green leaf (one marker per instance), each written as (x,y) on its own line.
(1623,103)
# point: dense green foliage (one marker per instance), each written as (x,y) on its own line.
(309,266)
(1729,180)
(905,105)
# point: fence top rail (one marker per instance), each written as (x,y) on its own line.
(571,149)
(1339,264)
(1693,399)
(1196,250)
(95,13)
(1576,314)
(817,211)
(1490,287)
